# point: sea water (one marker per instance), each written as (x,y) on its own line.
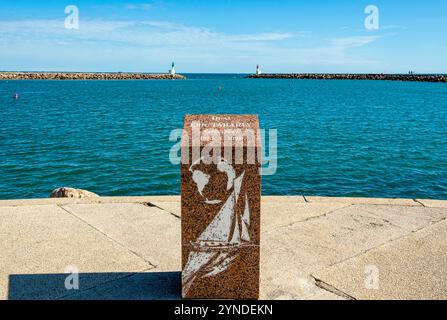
(335,137)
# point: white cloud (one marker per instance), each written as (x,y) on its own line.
(145,45)
(393,27)
(140,6)
(131,33)
(351,42)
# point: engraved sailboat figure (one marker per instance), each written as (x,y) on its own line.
(214,250)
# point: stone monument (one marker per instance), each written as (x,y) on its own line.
(221,193)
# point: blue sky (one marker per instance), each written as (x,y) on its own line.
(225,36)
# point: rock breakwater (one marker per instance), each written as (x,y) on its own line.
(323,76)
(86,76)
(66,192)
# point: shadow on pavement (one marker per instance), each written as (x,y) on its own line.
(96,286)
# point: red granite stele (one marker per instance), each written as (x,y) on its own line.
(220,207)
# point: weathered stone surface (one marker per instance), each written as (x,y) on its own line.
(291,199)
(147,200)
(111,240)
(149,232)
(72,193)
(412,267)
(325,76)
(351,230)
(38,244)
(220,209)
(171,204)
(86,76)
(374,201)
(282,213)
(433,203)
(291,252)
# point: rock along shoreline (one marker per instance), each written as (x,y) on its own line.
(366,76)
(87,76)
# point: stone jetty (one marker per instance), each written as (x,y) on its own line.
(365,76)
(86,76)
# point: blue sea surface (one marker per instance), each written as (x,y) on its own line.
(335,138)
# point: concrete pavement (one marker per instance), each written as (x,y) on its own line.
(311,248)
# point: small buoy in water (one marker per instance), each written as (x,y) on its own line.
(15,96)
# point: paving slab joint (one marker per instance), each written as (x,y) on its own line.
(108,237)
(327,287)
(151,205)
(386,243)
(416,200)
(307,219)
